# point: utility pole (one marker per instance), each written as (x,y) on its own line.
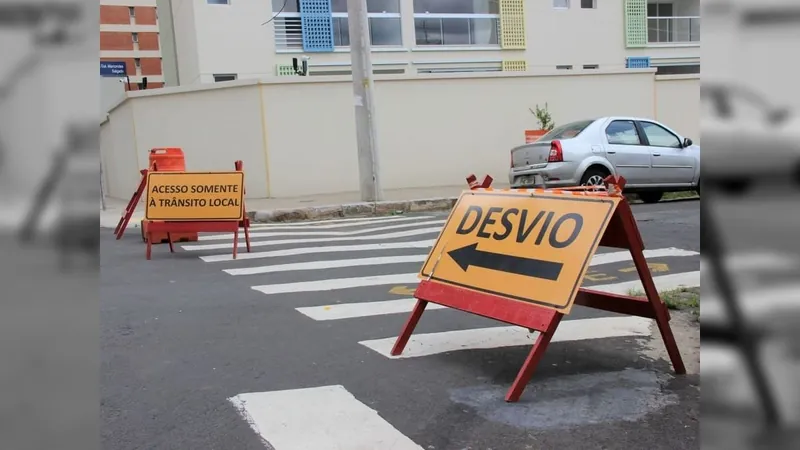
(364,100)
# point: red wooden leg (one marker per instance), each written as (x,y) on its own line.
(408,328)
(526,372)
(247,234)
(660,310)
(149,245)
(235,241)
(169,239)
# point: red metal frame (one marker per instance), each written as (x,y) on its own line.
(199,226)
(128,213)
(621,232)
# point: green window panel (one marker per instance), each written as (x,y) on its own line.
(636,23)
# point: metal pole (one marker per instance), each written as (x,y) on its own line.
(364,100)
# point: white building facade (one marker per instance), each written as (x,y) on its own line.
(207,41)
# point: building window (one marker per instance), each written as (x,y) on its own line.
(221,77)
(135,37)
(591,66)
(137,62)
(564,67)
(561,4)
(383,16)
(683,69)
(588,4)
(132,11)
(471,23)
(218,2)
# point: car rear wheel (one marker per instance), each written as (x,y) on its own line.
(594,177)
(650,197)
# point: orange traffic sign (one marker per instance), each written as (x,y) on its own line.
(195,196)
(528,247)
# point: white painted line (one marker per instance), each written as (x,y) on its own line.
(763,261)
(613,257)
(322,225)
(663,283)
(350,221)
(497,337)
(321,418)
(756,303)
(229,236)
(377,237)
(333,264)
(336,283)
(319,250)
(366,309)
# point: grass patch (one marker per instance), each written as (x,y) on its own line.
(680,298)
(679,195)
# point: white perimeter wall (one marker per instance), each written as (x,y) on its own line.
(297,137)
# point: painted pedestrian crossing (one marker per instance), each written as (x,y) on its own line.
(357,263)
(312,252)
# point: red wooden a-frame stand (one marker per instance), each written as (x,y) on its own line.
(621,232)
(132,203)
(201,226)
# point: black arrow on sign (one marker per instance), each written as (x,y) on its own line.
(529,267)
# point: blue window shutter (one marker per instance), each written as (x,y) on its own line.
(316,21)
(637,62)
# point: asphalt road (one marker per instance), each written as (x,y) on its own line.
(181,338)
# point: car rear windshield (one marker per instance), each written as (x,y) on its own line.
(567,131)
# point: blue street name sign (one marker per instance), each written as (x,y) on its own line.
(113,69)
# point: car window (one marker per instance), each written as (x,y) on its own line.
(623,132)
(660,136)
(567,131)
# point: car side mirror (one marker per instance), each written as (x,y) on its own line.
(687,142)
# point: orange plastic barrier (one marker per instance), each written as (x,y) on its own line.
(163,238)
(169,159)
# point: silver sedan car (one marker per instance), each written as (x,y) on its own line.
(653,158)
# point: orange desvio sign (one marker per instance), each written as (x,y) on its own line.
(198,196)
(528,247)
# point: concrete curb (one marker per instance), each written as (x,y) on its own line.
(361,209)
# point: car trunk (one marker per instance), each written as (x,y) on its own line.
(530,154)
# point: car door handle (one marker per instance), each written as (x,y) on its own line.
(612,152)
(656,154)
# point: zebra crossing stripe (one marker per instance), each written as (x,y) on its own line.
(229,236)
(319,418)
(760,261)
(663,283)
(377,237)
(756,303)
(672,281)
(498,337)
(336,283)
(350,221)
(365,309)
(319,250)
(321,265)
(330,224)
(613,257)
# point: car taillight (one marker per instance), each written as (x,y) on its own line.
(556,153)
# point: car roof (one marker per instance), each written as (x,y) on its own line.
(609,118)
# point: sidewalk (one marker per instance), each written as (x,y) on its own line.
(327,206)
